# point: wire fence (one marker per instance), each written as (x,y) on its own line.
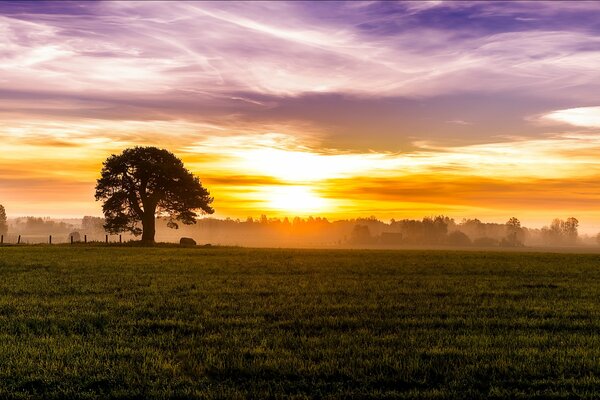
(59,239)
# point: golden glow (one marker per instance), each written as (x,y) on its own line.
(294,199)
(306,166)
(290,174)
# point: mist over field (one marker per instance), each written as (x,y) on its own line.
(433,232)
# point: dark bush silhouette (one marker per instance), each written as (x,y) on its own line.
(143,182)
(431,230)
(457,238)
(185,241)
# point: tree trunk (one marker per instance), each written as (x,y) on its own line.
(148,228)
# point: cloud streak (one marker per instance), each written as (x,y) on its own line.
(281,49)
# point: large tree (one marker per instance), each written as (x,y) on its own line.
(3,221)
(145,182)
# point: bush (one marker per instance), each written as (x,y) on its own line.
(75,235)
(458,238)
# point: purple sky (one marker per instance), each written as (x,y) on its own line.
(442,71)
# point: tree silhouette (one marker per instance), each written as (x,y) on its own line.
(144,182)
(513,233)
(513,224)
(3,221)
(570,230)
(561,232)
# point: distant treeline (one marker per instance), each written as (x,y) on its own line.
(42,226)
(437,230)
(60,229)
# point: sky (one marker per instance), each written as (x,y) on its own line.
(337,109)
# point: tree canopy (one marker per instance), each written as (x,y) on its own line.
(142,183)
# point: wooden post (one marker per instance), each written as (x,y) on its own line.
(120,239)
(106,238)
(71,239)
(1,239)
(85,238)
(19,240)
(50,239)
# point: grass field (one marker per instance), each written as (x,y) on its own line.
(124,322)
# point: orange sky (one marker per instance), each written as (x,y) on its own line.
(314,116)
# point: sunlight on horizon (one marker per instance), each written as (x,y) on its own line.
(295,199)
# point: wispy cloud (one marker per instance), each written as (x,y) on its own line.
(163,46)
(588,117)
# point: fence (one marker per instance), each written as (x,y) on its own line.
(58,239)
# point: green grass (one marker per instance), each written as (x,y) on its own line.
(126,322)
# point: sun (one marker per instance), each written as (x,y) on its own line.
(299,199)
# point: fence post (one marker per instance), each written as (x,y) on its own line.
(120,239)
(84,238)
(71,239)
(106,238)
(50,239)
(1,239)
(19,240)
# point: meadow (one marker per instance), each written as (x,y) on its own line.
(87,322)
